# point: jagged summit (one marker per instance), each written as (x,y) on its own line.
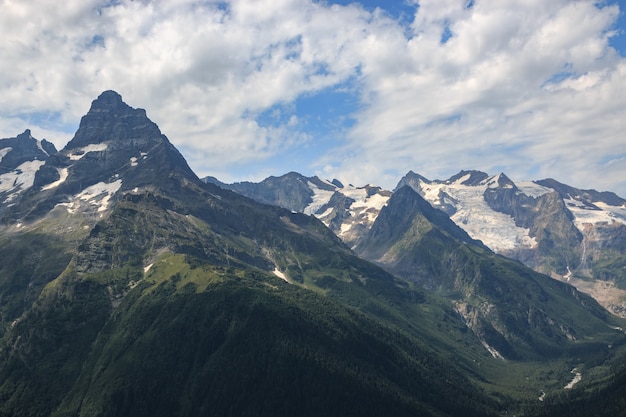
(26,139)
(587,197)
(411,179)
(469,177)
(23,148)
(115,150)
(111,119)
(107,100)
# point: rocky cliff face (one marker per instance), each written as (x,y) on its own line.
(116,149)
(503,303)
(20,158)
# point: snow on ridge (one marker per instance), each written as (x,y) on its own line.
(363,202)
(532,189)
(61,180)
(586,215)
(20,178)
(77,154)
(97,196)
(4,152)
(461,180)
(496,230)
(281,274)
(320,197)
(101,189)
(40,146)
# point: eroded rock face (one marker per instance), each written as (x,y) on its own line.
(20,159)
(23,148)
(116,149)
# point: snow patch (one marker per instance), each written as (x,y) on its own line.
(577,378)
(320,197)
(100,191)
(23,176)
(62,177)
(326,213)
(584,214)
(41,147)
(532,189)
(4,151)
(97,196)
(77,154)
(368,206)
(20,178)
(365,209)
(280,275)
(492,351)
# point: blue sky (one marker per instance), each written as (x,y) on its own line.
(359,91)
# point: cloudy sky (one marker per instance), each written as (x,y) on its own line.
(362,92)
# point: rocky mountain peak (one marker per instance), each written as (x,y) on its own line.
(337,183)
(25,135)
(116,150)
(111,120)
(25,140)
(108,100)
(587,197)
(22,149)
(469,177)
(413,180)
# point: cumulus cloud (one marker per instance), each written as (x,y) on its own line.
(529,87)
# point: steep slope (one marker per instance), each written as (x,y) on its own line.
(116,148)
(515,312)
(20,158)
(507,218)
(573,235)
(149,292)
(601,219)
(347,210)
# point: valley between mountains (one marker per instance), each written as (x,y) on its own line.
(131,287)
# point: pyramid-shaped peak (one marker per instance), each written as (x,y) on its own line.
(111,119)
(110,102)
(108,99)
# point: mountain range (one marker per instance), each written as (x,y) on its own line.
(130,287)
(573,235)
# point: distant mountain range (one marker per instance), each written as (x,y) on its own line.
(577,236)
(130,287)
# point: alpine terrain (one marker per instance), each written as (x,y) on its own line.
(573,235)
(130,287)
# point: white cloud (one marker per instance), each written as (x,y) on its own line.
(488,98)
(526,86)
